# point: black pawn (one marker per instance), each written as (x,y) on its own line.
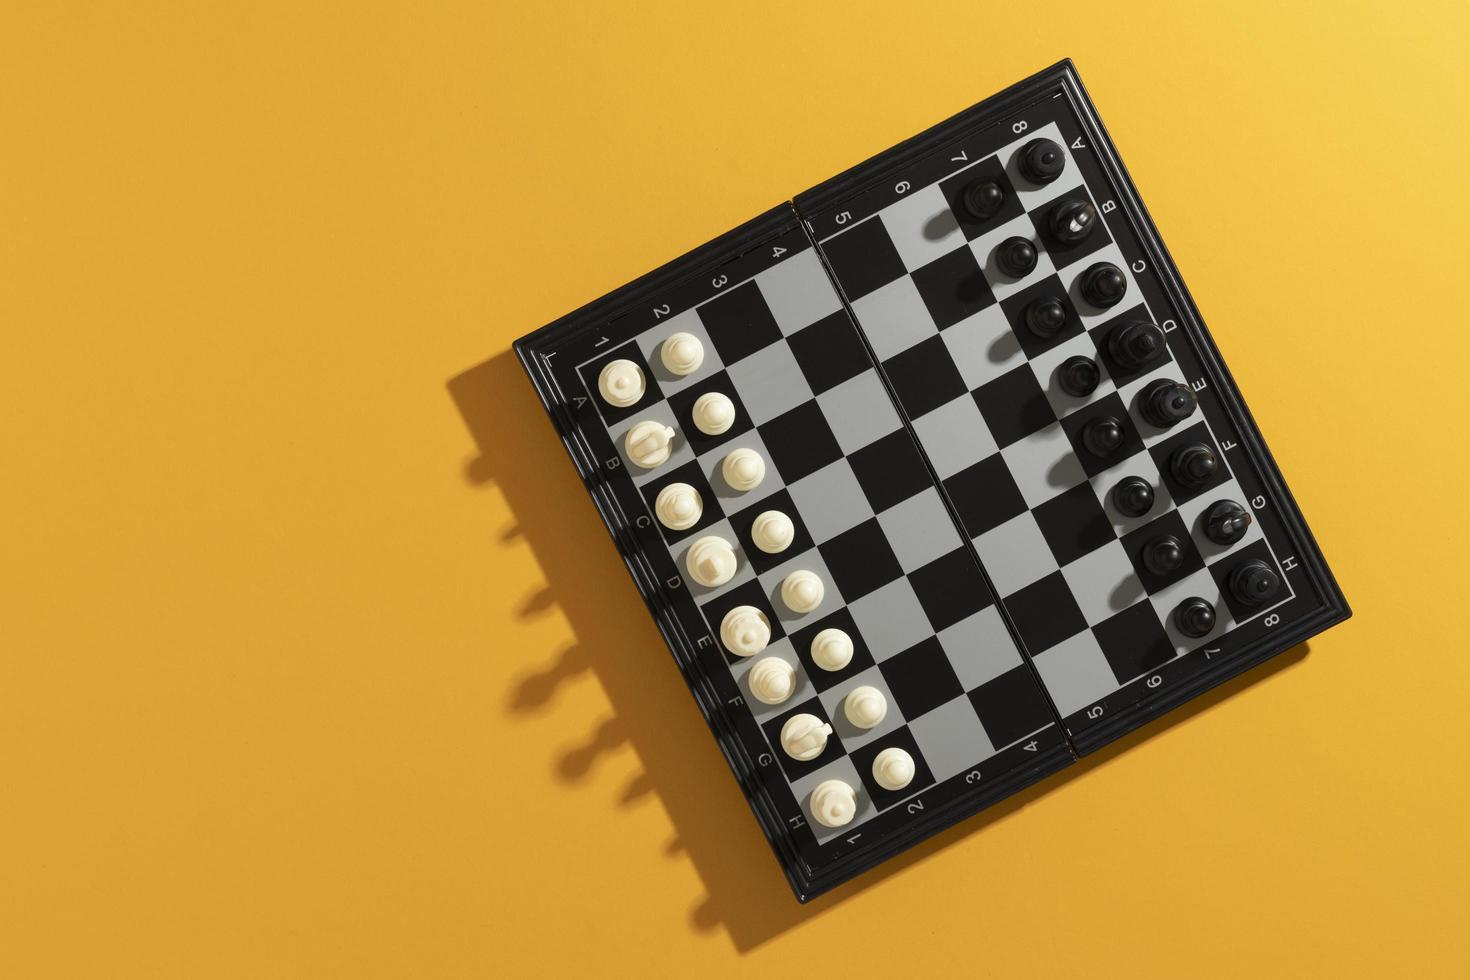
(1102,436)
(1046,316)
(1255,583)
(1042,161)
(1163,555)
(1226,522)
(1167,403)
(1195,617)
(983,199)
(1079,376)
(1103,285)
(1072,221)
(1133,497)
(1016,257)
(1194,466)
(1136,344)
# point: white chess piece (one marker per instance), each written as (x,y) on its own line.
(743,469)
(804,736)
(865,706)
(649,443)
(772,680)
(713,413)
(833,803)
(678,506)
(621,383)
(893,768)
(802,591)
(711,561)
(682,353)
(772,532)
(832,649)
(745,631)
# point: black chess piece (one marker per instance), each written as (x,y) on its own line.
(1042,161)
(983,199)
(1072,221)
(1133,497)
(1016,257)
(1194,466)
(1103,285)
(1045,316)
(1079,376)
(1163,555)
(1226,522)
(1136,344)
(1102,436)
(1254,583)
(1166,403)
(1195,617)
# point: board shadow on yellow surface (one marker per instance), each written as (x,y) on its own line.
(653,713)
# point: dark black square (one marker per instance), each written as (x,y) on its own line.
(800,442)
(821,678)
(1074,523)
(612,414)
(1015,306)
(795,768)
(1134,641)
(953,287)
(1111,405)
(1064,253)
(742,520)
(953,190)
(950,588)
(899,738)
(829,352)
(860,560)
(1122,375)
(1011,706)
(750,593)
(921,678)
(682,404)
(924,377)
(1134,543)
(1164,451)
(691,474)
(863,258)
(890,470)
(1014,406)
(1222,570)
(985,495)
(1045,613)
(739,322)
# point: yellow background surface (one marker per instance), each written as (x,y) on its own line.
(315,660)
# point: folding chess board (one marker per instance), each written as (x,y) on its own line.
(1007,449)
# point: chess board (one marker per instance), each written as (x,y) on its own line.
(944,481)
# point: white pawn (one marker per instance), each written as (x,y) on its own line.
(832,649)
(678,506)
(893,769)
(802,591)
(772,680)
(743,469)
(711,561)
(834,803)
(682,353)
(649,443)
(865,706)
(772,532)
(621,383)
(713,413)
(745,631)
(804,737)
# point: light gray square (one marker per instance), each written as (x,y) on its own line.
(919,529)
(769,383)
(798,291)
(1002,285)
(1072,276)
(1045,367)
(859,411)
(743,571)
(955,436)
(951,738)
(1139,464)
(1198,583)
(852,736)
(782,650)
(657,412)
(1193,513)
(1043,464)
(891,619)
(1032,195)
(1075,673)
(830,501)
(894,317)
(1167,371)
(979,647)
(651,341)
(730,499)
(845,770)
(771,581)
(983,347)
(1015,554)
(922,227)
(1103,582)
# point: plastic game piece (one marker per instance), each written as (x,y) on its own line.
(983,199)
(1136,344)
(1166,403)
(1255,583)
(714,413)
(678,506)
(743,469)
(711,561)
(1046,316)
(832,649)
(1226,522)
(804,736)
(893,768)
(772,680)
(1072,221)
(1042,161)
(621,383)
(772,532)
(1103,285)
(1195,617)
(802,591)
(649,443)
(745,631)
(834,803)
(1194,466)
(1133,496)
(1102,436)
(1079,376)
(1016,257)
(682,353)
(865,706)
(1163,555)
